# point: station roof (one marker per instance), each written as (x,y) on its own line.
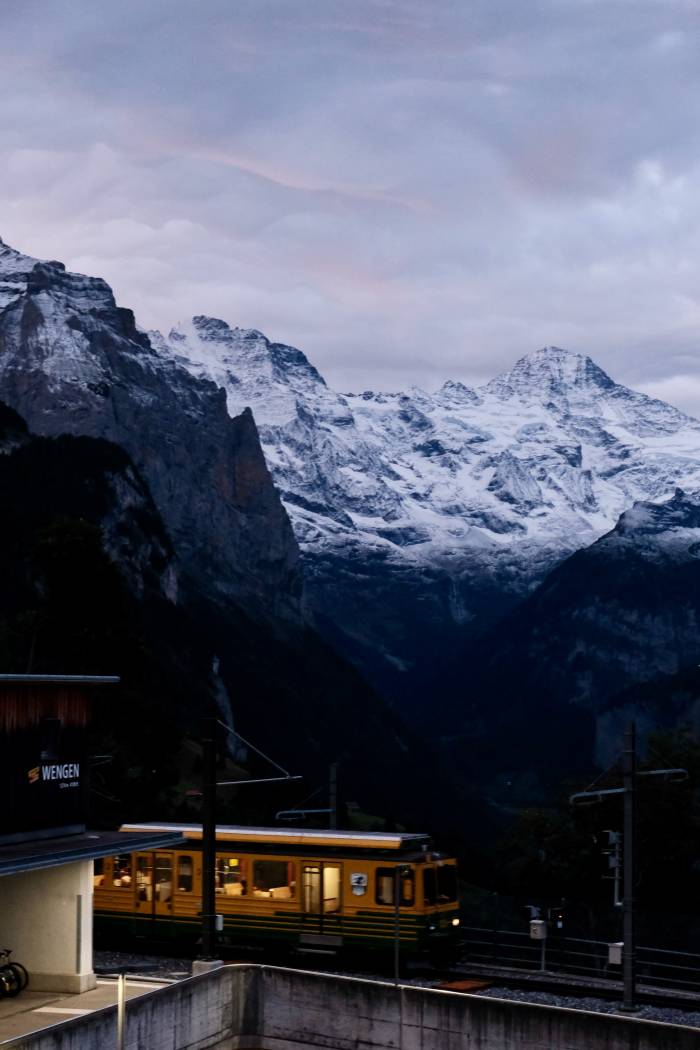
(295,836)
(61,679)
(67,849)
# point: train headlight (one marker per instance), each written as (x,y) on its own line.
(455,922)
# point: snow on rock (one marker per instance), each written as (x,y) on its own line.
(73,361)
(537,463)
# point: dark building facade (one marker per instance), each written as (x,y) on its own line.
(43,763)
(47,852)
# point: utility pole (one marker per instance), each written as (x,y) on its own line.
(209,786)
(333,796)
(629,792)
(629,771)
(400,872)
(209,839)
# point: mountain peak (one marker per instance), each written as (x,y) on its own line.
(13,261)
(551,373)
(453,390)
(681,511)
(14,273)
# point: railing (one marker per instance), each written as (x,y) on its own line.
(576,956)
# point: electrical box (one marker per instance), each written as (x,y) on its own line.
(219,923)
(538,930)
(615,953)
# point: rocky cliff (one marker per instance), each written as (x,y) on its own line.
(90,585)
(550,685)
(72,361)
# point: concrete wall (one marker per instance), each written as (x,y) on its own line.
(264,1008)
(46,918)
(302,1010)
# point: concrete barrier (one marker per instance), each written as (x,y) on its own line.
(247,1007)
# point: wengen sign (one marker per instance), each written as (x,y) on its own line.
(66,771)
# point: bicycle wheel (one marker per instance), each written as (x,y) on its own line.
(10,982)
(21,973)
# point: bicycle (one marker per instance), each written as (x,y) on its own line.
(13,976)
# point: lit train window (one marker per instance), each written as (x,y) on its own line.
(230,876)
(274,878)
(144,877)
(164,877)
(331,888)
(98,875)
(384,887)
(121,871)
(184,874)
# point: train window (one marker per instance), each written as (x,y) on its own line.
(144,877)
(447,884)
(274,878)
(230,876)
(121,871)
(184,874)
(429,886)
(98,875)
(164,877)
(385,887)
(331,888)
(311,888)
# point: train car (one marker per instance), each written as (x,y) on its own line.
(294,888)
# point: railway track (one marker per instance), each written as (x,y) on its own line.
(464,978)
(610,991)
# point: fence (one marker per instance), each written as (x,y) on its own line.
(576,956)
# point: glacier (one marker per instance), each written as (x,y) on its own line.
(422,515)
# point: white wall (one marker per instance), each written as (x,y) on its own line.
(46,918)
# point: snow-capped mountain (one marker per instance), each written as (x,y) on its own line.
(457,501)
(97,533)
(72,361)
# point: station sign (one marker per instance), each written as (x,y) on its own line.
(43,772)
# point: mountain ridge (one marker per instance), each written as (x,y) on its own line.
(451,505)
(73,361)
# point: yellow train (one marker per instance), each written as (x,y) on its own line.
(319,890)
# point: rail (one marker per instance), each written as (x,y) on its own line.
(577,956)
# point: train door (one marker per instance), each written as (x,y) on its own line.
(153,886)
(163,884)
(143,894)
(321,903)
(311,894)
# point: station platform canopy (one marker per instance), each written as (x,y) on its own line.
(40,853)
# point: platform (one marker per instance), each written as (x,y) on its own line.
(32,1011)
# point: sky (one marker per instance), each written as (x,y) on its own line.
(408,190)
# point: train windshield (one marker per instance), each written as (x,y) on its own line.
(429,886)
(447,884)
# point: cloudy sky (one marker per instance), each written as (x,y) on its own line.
(409,190)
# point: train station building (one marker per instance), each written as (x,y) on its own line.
(47,851)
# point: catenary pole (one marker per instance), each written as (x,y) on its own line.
(629,769)
(208,839)
(399,872)
(629,793)
(333,797)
